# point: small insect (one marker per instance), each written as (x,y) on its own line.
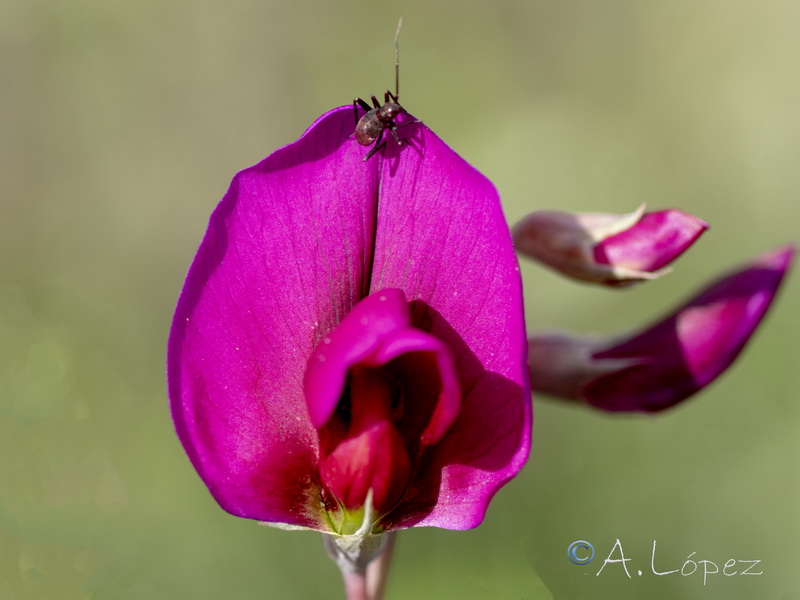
(379,118)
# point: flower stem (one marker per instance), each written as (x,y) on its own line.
(363,580)
(378,569)
(355,585)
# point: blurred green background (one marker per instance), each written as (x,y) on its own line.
(121,124)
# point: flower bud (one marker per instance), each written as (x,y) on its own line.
(670,360)
(614,250)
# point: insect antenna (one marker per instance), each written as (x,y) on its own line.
(397,59)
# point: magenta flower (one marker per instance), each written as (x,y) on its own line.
(614,250)
(669,361)
(348,352)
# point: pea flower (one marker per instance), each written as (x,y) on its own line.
(348,353)
(669,361)
(613,250)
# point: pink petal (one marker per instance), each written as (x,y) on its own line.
(285,257)
(655,241)
(442,238)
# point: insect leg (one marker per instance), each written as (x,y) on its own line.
(379,143)
(359,102)
(405,139)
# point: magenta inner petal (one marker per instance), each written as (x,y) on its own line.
(436,358)
(361,449)
(356,339)
(385,392)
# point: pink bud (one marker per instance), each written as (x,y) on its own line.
(614,250)
(670,360)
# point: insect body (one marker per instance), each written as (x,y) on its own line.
(379,118)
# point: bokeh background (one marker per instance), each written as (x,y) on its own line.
(121,124)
